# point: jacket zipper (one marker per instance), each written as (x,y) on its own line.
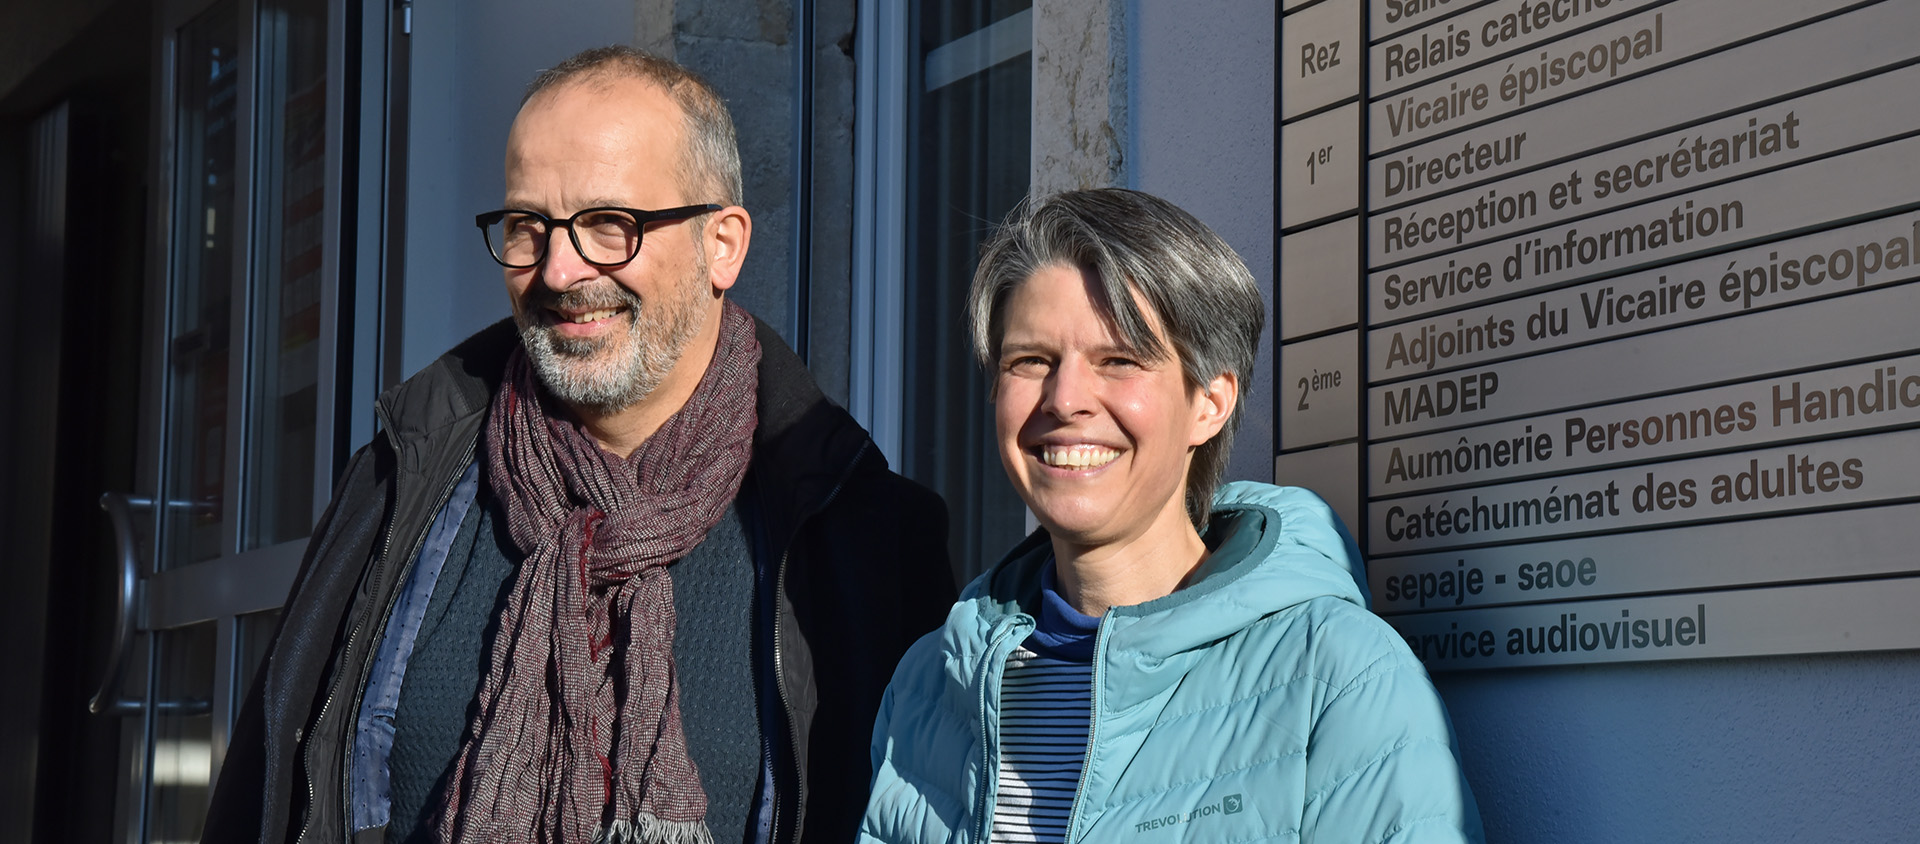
(379,563)
(780,691)
(1093,725)
(779,666)
(992,669)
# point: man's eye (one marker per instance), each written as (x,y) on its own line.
(607,224)
(1026,364)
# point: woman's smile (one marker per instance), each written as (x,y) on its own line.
(1077,456)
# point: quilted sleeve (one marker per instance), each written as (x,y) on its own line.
(1382,765)
(920,754)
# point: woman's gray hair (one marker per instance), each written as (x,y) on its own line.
(712,162)
(1131,242)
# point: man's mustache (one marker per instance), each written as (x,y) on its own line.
(578,298)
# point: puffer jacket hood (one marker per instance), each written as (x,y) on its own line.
(1275,547)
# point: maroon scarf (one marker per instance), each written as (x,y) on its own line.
(577,737)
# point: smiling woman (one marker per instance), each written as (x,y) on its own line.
(1094,432)
(1165,650)
(1136,287)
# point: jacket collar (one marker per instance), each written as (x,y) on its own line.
(804,446)
(1279,547)
(454,387)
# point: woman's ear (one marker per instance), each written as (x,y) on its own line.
(1212,406)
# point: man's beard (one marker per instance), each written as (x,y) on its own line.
(612,374)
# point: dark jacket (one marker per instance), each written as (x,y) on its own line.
(857,554)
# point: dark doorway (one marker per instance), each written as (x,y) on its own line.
(74,151)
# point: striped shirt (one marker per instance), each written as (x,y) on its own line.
(1044,703)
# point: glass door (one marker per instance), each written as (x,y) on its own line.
(238,400)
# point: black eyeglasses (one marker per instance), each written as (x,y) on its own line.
(604,237)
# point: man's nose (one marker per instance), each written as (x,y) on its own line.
(564,267)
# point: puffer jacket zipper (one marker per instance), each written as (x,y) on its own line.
(993,667)
(1093,724)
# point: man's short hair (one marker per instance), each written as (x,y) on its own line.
(712,155)
(1128,241)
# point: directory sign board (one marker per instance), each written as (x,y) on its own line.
(1601,319)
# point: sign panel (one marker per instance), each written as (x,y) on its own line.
(1320,164)
(1332,471)
(1320,390)
(1812,618)
(1638,296)
(1321,55)
(1320,265)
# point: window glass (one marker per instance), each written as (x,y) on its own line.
(205,227)
(291,202)
(182,761)
(968,166)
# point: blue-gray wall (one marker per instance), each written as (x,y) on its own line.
(1822,749)
(471,60)
(1200,104)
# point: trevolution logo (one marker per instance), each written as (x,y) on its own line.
(1231,804)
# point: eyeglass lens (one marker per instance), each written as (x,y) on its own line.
(603,237)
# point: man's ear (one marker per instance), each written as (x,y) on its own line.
(1213,406)
(726,236)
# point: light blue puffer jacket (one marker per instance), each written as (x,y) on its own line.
(1263,702)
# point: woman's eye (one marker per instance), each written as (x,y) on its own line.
(1026,365)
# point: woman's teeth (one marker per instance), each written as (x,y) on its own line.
(1077,456)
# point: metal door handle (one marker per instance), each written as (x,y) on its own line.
(108,701)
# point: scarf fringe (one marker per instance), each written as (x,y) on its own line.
(647,829)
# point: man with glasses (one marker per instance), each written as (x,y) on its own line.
(614,569)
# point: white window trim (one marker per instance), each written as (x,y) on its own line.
(874,390)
